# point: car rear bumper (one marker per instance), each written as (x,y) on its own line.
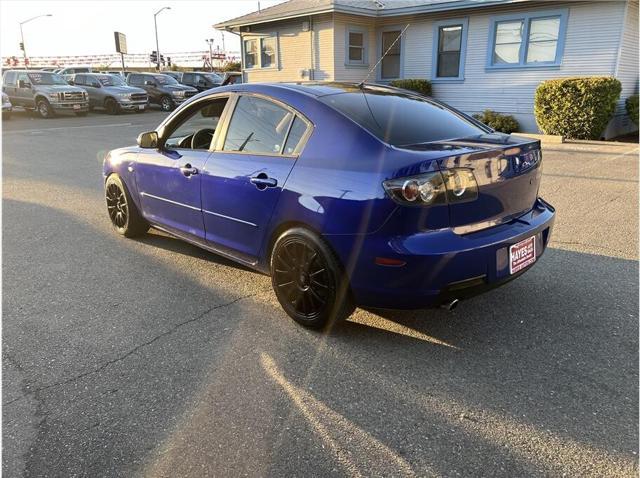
(439,266)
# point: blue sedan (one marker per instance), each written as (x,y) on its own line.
(345,194)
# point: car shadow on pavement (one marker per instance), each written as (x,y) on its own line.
(138,360)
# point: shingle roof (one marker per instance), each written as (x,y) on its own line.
(297,8)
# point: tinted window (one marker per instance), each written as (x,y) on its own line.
(298,129)
(187,78)
(401,119)
(79,80)
(257,126)
(135,79)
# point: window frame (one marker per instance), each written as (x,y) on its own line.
(168,128)
(526,18)
(229,112)
(258,39)
(464,22)
(364,31)
(387,29)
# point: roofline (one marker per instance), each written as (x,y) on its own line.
(380,13)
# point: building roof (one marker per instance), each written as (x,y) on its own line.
(371,8)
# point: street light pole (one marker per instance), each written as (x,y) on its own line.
(155,23)
(210,42)
(24,48)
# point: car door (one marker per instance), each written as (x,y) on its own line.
(24,97)
(169,178)
(246,172)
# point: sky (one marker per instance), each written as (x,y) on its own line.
(84,27)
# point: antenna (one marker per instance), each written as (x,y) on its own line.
(361,84)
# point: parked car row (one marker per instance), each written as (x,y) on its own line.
(48,92)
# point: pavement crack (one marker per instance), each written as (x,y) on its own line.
(133,350)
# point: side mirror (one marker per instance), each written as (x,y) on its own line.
(96,85)
(149,83)
(148,140)
(71,82)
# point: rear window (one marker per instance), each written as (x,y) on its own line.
(401,119)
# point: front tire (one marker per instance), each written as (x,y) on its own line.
(166,103)
(308,280)
(111,106)
(124,215)
(44,109)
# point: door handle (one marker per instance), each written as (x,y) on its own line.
(262,181)
(188,171)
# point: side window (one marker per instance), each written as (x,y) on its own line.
(187,78)
(197,129)
(23,77)
(257,126)
(298,129)
(133,79)
(79,80)
(10,78)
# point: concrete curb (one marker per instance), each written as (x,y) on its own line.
(544,138)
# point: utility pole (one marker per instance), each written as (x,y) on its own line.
(210,43)
(22,45)
(155,24)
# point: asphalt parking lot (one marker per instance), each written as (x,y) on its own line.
(153,358)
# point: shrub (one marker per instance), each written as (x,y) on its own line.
(420,86)
(503,123)
(632,108)
(577,108)
(232,66)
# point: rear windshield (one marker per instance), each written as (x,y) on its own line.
(401,119)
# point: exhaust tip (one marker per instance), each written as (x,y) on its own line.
(450,306)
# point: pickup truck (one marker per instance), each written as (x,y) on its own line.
(44,92)
(111,93)
(163,90)
(200,80)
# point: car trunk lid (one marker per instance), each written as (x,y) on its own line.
(507,169)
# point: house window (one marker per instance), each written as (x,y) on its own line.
(449,46)
(356,47)
(268,52)
(527,40)
(250,53)
(390,67)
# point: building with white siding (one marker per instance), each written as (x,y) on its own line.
(478,54)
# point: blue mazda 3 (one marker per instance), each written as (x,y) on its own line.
(345,194)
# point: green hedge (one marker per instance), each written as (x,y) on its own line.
(503,123)
(577,108)
(632,108)
(421,86)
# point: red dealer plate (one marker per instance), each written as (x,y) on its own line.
(522,254)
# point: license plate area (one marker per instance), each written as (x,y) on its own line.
(522,255)
(76,107)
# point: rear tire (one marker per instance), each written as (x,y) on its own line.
(124,215)
(43,108)
(308,280)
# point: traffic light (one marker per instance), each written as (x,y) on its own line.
(162,59)
(169,61)
(153,58)
(21,46)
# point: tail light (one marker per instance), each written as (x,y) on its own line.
(449,186)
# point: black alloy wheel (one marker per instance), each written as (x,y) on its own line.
(308,280)
(166,103)
(123,213)
(111,106)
